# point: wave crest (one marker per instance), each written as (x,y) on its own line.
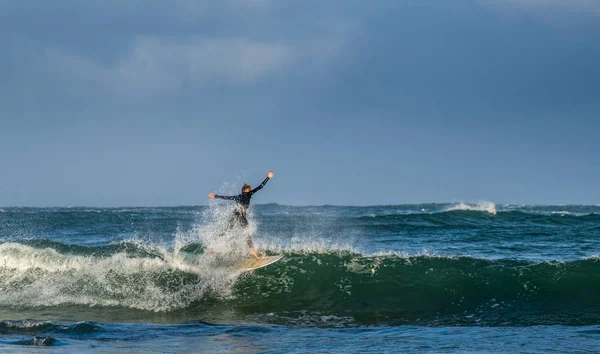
(487,207)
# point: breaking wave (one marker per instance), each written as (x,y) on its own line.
(310,287)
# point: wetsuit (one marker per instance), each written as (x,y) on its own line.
(243,202)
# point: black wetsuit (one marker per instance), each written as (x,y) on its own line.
(243,202)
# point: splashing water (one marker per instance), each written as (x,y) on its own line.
(141,274)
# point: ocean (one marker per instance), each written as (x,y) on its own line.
(427,278)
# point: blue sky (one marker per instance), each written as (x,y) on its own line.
(349,102)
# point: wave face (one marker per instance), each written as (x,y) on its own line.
(425,290)
(427,264)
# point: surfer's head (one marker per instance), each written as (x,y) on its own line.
(246,188)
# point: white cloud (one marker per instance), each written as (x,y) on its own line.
(157,66)
(148,50)
(162,65)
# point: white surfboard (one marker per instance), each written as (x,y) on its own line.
(253,263)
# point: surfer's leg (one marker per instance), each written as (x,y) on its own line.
(244,222)
(251,246)
(252,250)
(230,224)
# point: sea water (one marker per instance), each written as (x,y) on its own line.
(440,278)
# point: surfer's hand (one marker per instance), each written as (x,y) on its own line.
(211,195)
(270,174)
(253,251)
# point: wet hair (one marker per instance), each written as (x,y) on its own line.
(246,186)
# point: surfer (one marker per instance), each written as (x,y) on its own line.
(242,204)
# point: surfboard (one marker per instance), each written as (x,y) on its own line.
(253,263)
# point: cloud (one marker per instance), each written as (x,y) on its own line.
(157,65)
(160,65)
(138,51)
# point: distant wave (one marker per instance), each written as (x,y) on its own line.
(487,207)
(386,211)
(484,206)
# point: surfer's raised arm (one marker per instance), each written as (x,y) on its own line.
(229,197)
(269,176)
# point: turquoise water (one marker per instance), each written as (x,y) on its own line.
(415,278)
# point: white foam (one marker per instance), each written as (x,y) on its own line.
(488,207)
(304,244)
(25,324)
(564,212)
(33,277)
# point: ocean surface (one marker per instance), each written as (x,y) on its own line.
(438,278)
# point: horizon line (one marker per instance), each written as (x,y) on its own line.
(293,205)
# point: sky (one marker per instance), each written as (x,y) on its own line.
(349,102)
